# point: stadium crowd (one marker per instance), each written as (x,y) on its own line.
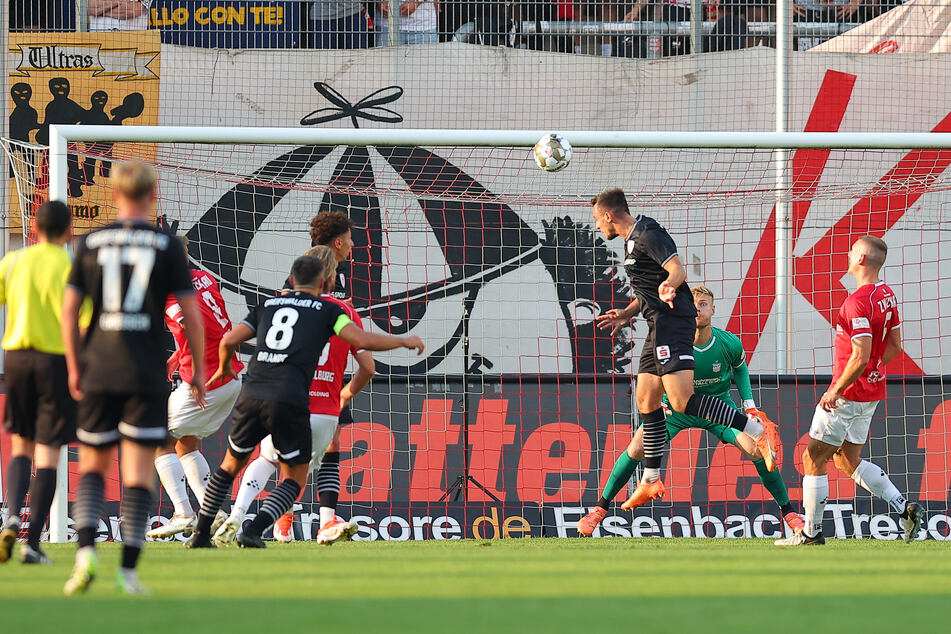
(328,24)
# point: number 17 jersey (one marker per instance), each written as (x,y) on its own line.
(129,269)
(292,331)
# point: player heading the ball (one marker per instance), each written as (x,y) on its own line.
(659,281)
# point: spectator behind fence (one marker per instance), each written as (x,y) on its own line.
(338,24)
(664,11)
(118,15)
(830,11)
(730,32)
(418,21)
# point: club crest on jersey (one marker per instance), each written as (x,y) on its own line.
(630,245)
(663,353)
(716,366)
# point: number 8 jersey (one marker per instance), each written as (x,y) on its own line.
(129,269)
(292,331)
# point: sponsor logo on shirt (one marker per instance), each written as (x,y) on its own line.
(859,322)
(663,352)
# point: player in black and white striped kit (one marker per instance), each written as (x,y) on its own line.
(661,294)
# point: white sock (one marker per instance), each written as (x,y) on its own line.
(173,479)
(753,429)
(650,475)
(253,481)
(873,479)
(815,494)
(326,514)
(607,49)
(197,472)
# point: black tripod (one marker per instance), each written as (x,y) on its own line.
(460,486)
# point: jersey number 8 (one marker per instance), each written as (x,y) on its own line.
(281,332)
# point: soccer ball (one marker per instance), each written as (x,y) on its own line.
(552,152)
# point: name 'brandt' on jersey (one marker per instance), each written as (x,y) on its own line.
(292,330)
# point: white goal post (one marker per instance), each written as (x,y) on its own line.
(779,143)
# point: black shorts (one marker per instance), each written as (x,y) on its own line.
(288,425)
(669,345)
(106,418)
(39,406)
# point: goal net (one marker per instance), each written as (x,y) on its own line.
(511,421)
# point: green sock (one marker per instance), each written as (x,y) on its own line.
(623,469)
(773,482)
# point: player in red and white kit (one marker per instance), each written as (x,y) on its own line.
(327,396)
(867,338)
(189,420)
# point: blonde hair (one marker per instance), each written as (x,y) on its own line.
(133,179)
(327,260)
(702,290)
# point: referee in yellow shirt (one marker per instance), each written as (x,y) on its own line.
(40,413)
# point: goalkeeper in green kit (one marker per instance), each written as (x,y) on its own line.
(720,362)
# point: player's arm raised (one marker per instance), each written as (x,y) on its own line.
(858,360)
(356,336)
(676,275)
(229,343)
(366,368)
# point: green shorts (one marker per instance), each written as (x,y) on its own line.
(677,422)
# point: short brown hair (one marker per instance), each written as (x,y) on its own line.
(612,200)
(878,260)
(133,179)
(702,290)
(327,260)
(328,226)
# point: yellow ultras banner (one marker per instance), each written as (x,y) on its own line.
(108,78)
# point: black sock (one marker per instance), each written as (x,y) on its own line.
(786,509)
(604,503)
(655,437)
(280,501)
(88,508)
(41,497)
(716,411)
(18,483)
(218,489)
(328,479)
(136,504)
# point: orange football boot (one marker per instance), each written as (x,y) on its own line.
(589,522)
(644,493)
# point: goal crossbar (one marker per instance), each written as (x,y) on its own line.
(778,142)
(502,138)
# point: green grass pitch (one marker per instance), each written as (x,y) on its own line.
(533,585)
